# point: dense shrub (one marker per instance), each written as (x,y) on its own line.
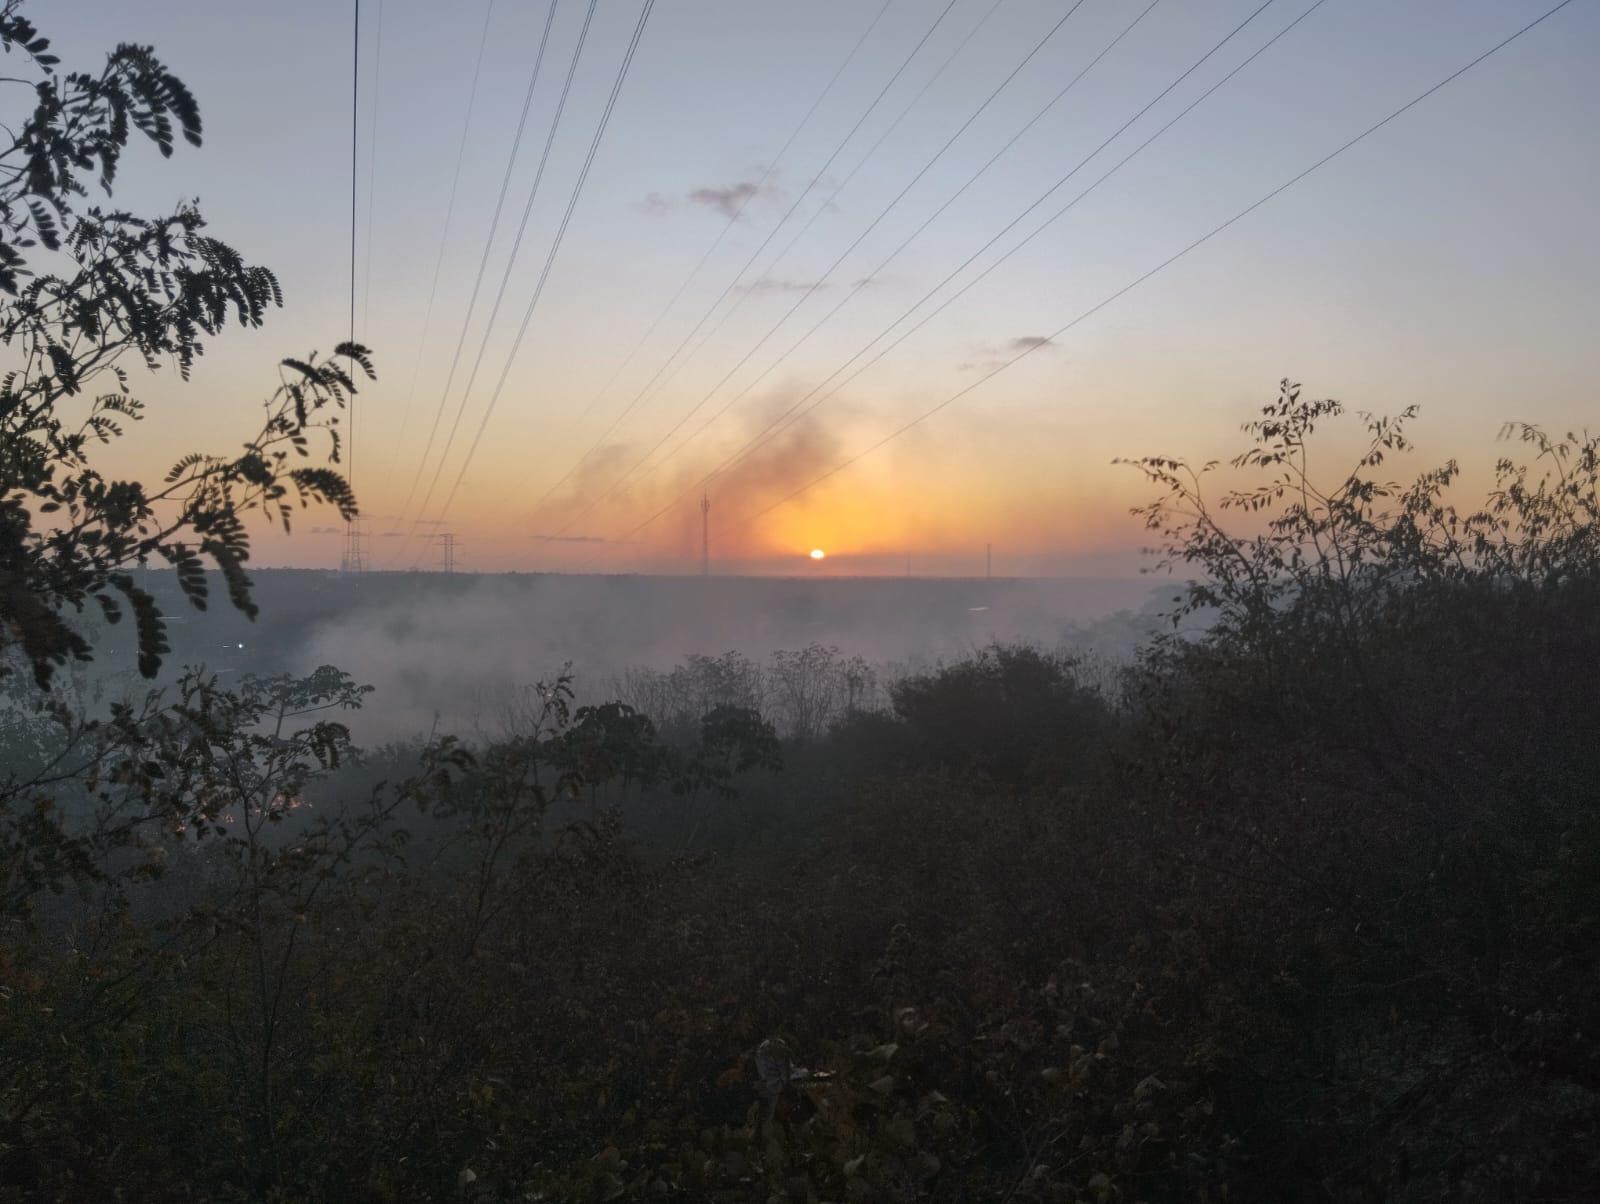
(1013,713)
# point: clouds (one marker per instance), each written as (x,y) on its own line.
(729,200)
(773,284)
(656,205)
(991,357)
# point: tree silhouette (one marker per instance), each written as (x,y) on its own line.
(85,291)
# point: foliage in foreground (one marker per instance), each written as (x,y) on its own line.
(84,292)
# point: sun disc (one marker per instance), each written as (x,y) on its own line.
(817,553)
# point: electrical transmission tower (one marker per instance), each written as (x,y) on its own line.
(354,559)
(705,535)
(447,550)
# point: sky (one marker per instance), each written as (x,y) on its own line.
(1449,261)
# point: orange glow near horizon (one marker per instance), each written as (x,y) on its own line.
(866,524)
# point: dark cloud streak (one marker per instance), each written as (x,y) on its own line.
(770,284)
(726,201)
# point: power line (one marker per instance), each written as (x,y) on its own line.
(444,236)
(351,560)
(628,474)
(372,162)
(706,255)
(883,137)
(756,254)
(845,141)
(355,130)
(483,262)
(838,188)
(937,213)
(1163,265)
(555,247)
(778,423)
(1038,46)
(511,260)
(356,549)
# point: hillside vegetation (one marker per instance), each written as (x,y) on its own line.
(1306,910)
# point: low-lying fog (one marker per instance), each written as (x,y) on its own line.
(445,651)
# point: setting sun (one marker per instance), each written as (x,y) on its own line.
(817,553)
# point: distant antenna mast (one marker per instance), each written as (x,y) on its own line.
(705,535)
